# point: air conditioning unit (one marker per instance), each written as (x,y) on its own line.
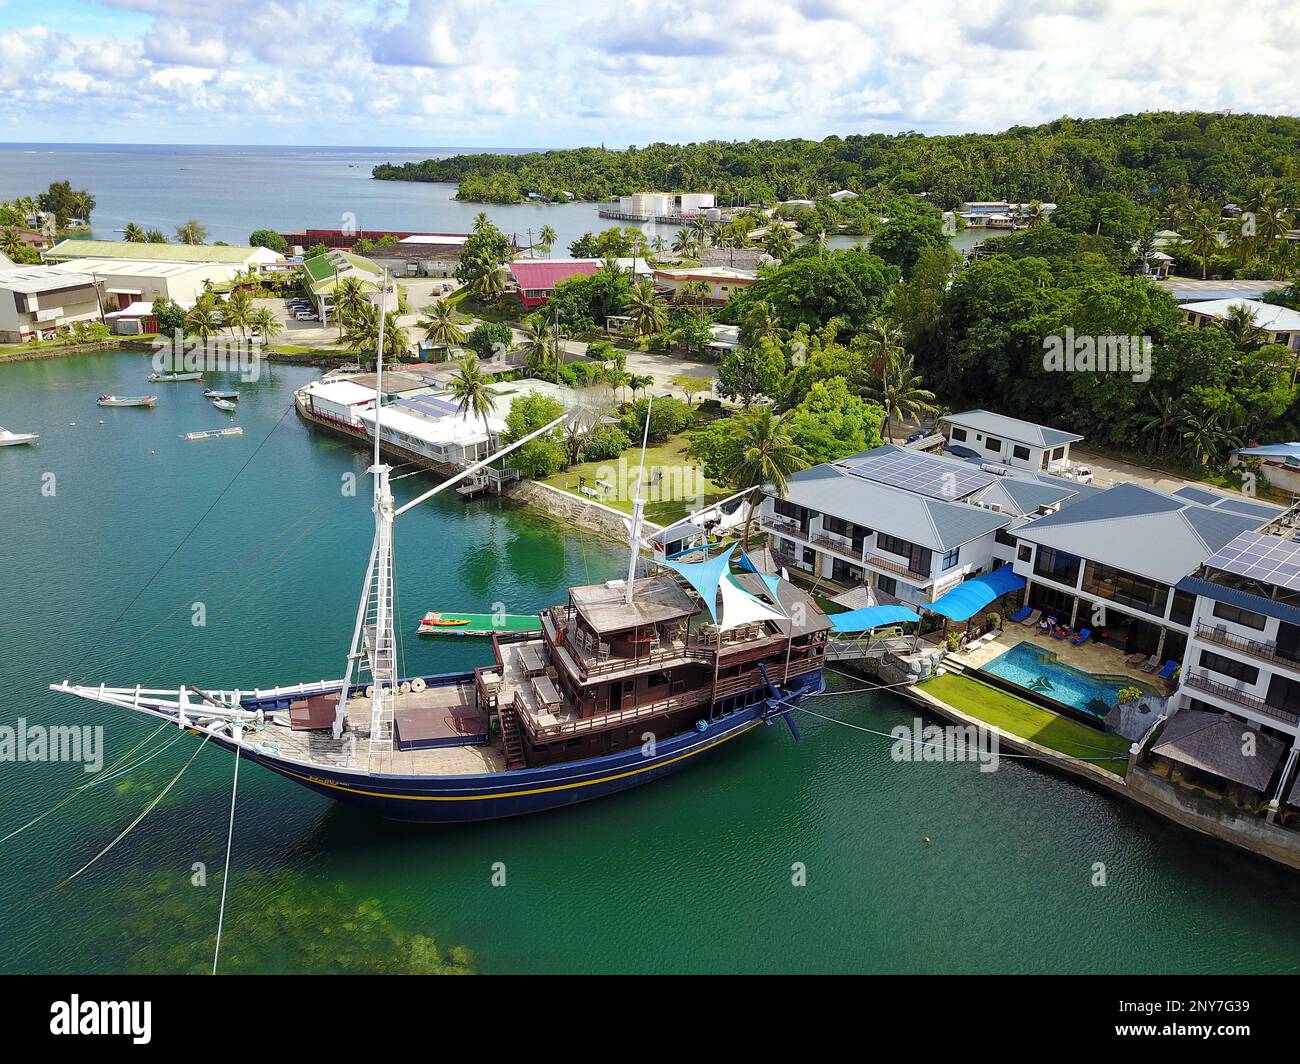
(993,467)
(49,314)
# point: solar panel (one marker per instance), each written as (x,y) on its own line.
(1268,559)
(922,474)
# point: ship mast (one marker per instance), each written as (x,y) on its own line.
(638,508)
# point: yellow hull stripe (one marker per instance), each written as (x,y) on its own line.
(511,794)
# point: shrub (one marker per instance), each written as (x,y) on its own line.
(667,416)
(604,442)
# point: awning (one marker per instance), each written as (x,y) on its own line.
(864,620)
(967,599)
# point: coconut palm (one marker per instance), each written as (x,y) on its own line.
(1239,324)
(778,241)
(439,325)
(639,382)
(470,389)
(155,236)
(899,391)
(238,311)
(349,297)
(192,232)
(488,284)
(760,451)
(538,345)
(133,233)
(266,324)
(883,340)
(1203,237)
(547,238)
(1165,416)
(683,241)
(202,321)
(11,243)
(362,333)
(761,323)
(644,308)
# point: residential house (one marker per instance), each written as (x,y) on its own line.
(1281,325)
(535,279)
(1009,441)
(722,281)
(1279,464)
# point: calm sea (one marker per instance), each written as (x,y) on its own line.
(235,190)
(692,873)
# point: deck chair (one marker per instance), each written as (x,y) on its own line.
(1020,614)
(1032,620)
(1153,663)
(1168,671)
(1080,637)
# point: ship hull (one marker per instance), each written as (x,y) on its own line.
(492,796)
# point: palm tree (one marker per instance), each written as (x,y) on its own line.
(439,327)
(1165,416)
(349,297)
(899,391)
(488,285)
(778,241)
(191,233)
(362,332)
(266,324)
(11,243)
(538,345)
(1202,236)
(643,307)
(155,236)
(201,321)
(133,233)
(547,238)
(639,382)
(761,452)
(883,340)
(1239,324)
(1272,224)
(239,308)
(683,241)
(469,387)
(761,323)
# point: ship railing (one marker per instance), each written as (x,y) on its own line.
(585,725)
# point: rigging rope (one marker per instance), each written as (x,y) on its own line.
(225,876)
(184,539)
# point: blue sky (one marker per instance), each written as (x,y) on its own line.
(531,74)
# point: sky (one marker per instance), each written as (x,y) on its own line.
(526,74)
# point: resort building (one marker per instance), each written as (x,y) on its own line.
(126,281)
(1280,324)
(1112,561)
(535,279)
(722,281)
(909,525)
(237,258)
(1008,441)
(1242,665)
(37,302)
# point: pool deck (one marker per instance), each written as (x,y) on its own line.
(1095,658)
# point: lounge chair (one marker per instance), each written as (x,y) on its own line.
(1168,671)
(1081,636)
(1020,614)
(1153,663)
(1032,620)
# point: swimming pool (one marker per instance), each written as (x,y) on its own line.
(1037,669)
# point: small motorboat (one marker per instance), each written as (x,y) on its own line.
(212,393)
(224,404)
(127,400)
(12,439)
(214,434)
(168,378)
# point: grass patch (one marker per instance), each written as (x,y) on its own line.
(679,472)
(1028,721)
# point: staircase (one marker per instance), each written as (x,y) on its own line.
(511,742)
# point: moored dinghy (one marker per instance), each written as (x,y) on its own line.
(171,378)
(224,404)
(212,393)
(127,400)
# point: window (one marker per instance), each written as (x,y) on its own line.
(1106,581)
(1024,552)
(1057,565)
(838,527)
(887,584)
(1237,670)
(1022,453)
(791,510)
(950,559)
(809,556)
(958,434)
(1058,454)
(1237,615)
(1005,538)
(1184,605)
(992,443)
(918,558)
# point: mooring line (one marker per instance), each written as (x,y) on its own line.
(225,876)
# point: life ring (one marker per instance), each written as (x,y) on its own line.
(701,725)
(370,691)
(418,685)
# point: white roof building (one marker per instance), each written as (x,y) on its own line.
(1281,323)
(36,301)
(124,281)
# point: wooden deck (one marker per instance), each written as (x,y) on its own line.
(353,750)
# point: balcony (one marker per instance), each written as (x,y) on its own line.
(899,569)
(1200,682)
(782,526)
(1255,648)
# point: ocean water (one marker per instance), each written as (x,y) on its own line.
(234,190)
(99,581)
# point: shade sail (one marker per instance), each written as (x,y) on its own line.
(740,607)
(704,576)
(967,599)
(869,617)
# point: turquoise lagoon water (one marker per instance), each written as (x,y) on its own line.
(1037,669)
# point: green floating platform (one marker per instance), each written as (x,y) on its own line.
(485,624)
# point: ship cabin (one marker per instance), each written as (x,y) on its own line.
(606,672)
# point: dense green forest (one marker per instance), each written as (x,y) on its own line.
(1148,156)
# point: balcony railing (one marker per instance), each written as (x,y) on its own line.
(1256,648)
(900,568)
(1201,682)
(782,527)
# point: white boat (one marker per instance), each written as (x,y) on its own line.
(127,400)
(12,439)
(155,378)
(212,393)
(214,434)
(224,404)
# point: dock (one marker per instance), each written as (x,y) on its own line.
(483,624)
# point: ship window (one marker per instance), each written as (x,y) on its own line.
(657,679)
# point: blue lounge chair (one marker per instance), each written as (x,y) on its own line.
(1021,614)
(1168,671)
(1081,636)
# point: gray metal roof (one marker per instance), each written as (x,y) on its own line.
(1235,596)
(1010,428)
(1232,503)
(918,519)
(31,280)
(1139,530)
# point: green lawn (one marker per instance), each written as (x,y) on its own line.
(680,476)
(1019,717)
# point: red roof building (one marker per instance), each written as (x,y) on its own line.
(537,279)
